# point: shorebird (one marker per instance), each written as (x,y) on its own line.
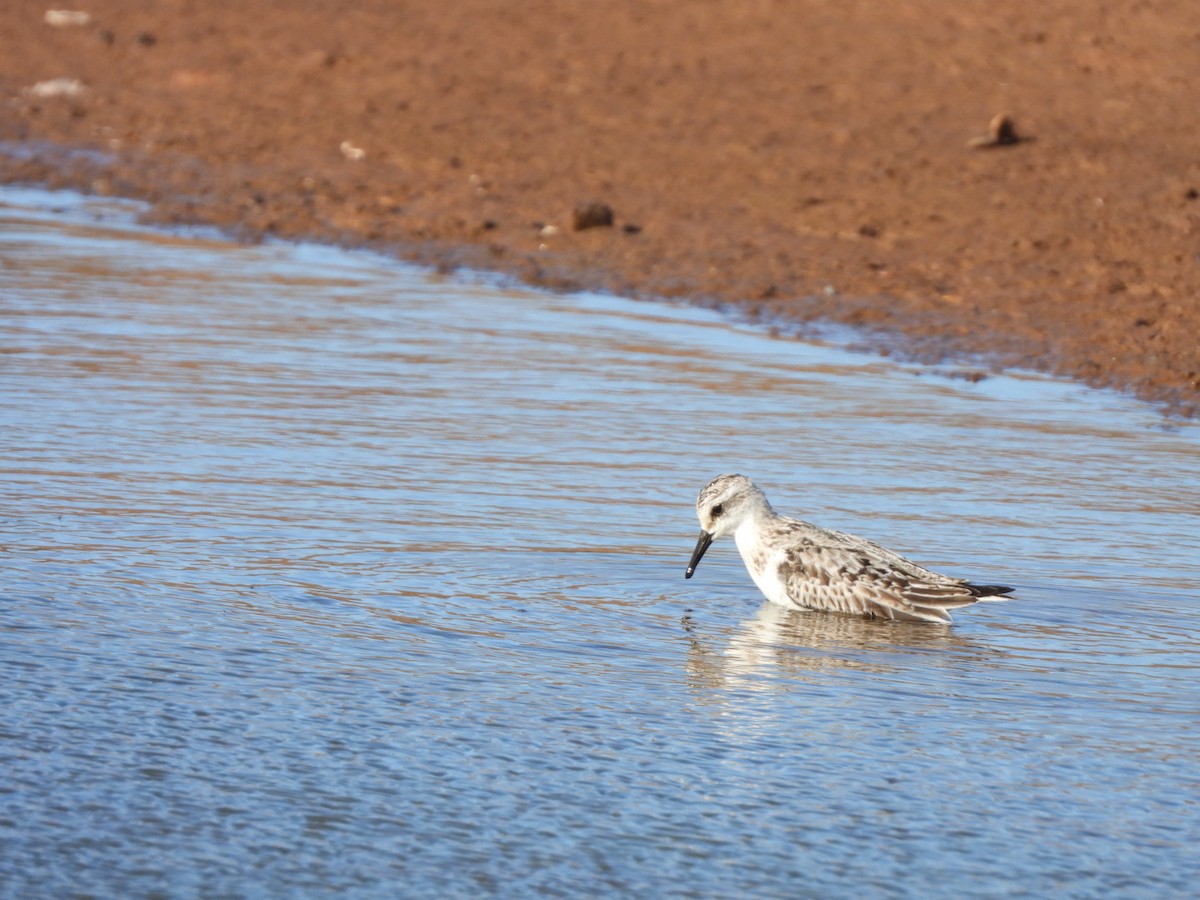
(801,566)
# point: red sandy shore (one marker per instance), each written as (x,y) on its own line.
(804,160)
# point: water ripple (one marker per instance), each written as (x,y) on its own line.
(321,575)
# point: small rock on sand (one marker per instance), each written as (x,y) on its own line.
(592,215)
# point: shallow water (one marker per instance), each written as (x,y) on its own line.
(321,574)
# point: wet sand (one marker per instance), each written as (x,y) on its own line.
(802,160)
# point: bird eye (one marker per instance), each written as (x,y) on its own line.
(718,509)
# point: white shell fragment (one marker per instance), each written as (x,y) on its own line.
(57,87)
(66,18)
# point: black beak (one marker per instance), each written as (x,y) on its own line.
(701,545)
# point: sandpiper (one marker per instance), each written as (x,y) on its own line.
(799,565)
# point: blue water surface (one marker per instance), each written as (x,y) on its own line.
(322,575)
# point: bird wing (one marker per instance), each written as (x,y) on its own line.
(842,572)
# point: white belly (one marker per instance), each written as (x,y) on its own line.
(763,566)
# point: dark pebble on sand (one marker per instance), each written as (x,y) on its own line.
(592,215)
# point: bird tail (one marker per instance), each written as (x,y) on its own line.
(989,591)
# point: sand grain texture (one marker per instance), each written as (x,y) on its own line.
(801,159)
